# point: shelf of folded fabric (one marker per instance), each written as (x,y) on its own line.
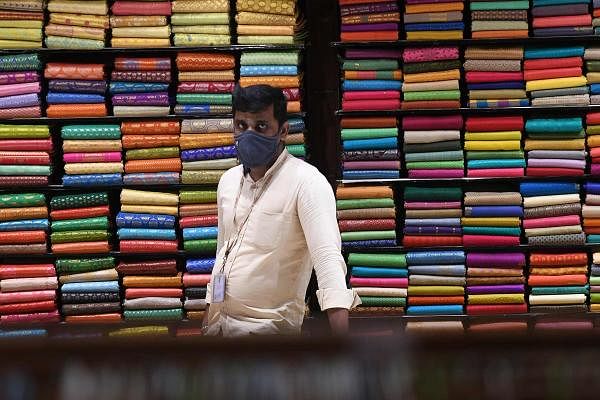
(552,40)
(113,253)
(471,111)
(582,178)
(530,317)
(61,188)
(521,247)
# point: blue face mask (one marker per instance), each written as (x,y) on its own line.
(255,150)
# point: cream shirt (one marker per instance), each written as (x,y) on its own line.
(291,230)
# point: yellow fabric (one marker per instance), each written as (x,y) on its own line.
(563,144)
(94,168)
(557,83)
(78,7)
(556,299)
(21,24)
(265,30)
(159,32)
(25,34)
(259,18)
(475,145)
(130,196)
(19,44)
(206,29)
(593,141)
(87,146)
(593,77)
(432,76)
(75,31)
(193,6)
(515,298)
(210,76)
(434,35)
(139,42)
(91,21)
(491,221)
(281,7)
(436,291)
(165,210)
(556,230)
(500,135)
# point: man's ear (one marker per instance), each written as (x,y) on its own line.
(285,129)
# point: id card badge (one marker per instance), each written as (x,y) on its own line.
(218,288)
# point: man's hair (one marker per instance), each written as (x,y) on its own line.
(258,98)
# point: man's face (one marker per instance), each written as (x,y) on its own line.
(262,122)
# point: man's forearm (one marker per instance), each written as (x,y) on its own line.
(338,320)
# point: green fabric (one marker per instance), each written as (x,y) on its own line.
(88,132)
(595,298)
(487,230)
(206,177)
(79,200)
(205,29)
(297,150)
(377,260)
(270,58)
(150,154)
(371,133)
(205,246)
(374,301)
(489,155)
(556,135)
(27,170)
(593,129)
(435,165)
(594,280)
(560,290)
(451,155)
(593,66)
(20,62)
(80,265)
(370,65)
(267,39)
(83,224)
(79,236)
(364,203)
(72,43)
(499,5)
(171,314)
(432,95)
(22,200)
(195,98)
(197,197)
(417,68)
(200,19)
(412,193)
(368,235)
(24,132)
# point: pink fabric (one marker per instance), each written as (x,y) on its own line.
(190,280)
(371,165)
(372,95)
(421,54)
(379,282)
(431,205)
(490,240)
(496,172)
(42,317)
(27,297)
(423,123)
(595,169)
(113,156)
(436,173)
(20,88)
(358,105)
(566,220)
(482,77)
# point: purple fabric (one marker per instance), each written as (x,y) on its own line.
(496,260)
(141,99)
(493,289)
(367,53)
(370,27)
(436,173)
(368,8)
(595,169)
(23,100)
(432,230)
(6,78)
(555,163)
(371,165)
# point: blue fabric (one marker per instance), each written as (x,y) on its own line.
(212,153)
(297,125)
(24,225)
(555,52)
(145,233)
(595,88)
(539,3)
(492,104)
(442,270)
(435,257)
(374,84)
(432,222)
(151,221)
(554,125)
(496,163)
(265,70)
(435,26)
(73,98)
(496,85)
(200,265)
(434,310)
(366,144)
(137,87)
(210,232)
(90,287)
(491,230)
(593,238)
(374,272)
(370,174)
(496,211)
(529,189)
(592,187)
(369,243)
(92,180)
(541,290)
(18,333)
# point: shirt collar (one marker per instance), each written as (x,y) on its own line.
(276,165)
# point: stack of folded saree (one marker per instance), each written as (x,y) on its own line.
(558,282)
(80,223)
(595,283)
(372,80)
(140,23)
(370,146)
(593,141)
(207,149)
(211,92)
(436,282)
(77,25)
(152,152)
(552,214)
(494,77)
(25,155)
(497,19)
(554,76)
(23,223)
(595,15)
(561,17)
(199,222)
(28,293)
(75,90)
(592,66)
(431,77)
(153,290)
(492,218)
(267,22)
(20,86)
(140,87)
(200,23)
(434,20)
(146,222)
(295,142)
(591,212)
(89,290)
(555,146)
(495,283)
(195,281)
(277,69)
(381,282)
(369,20)
(432,146)
(493,146)
(92,155)
(366,216)
(21,24)
(432,216)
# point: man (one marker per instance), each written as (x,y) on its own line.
(277,220)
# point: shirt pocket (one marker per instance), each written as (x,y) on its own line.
(265,229)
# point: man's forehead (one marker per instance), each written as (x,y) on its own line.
(263,115)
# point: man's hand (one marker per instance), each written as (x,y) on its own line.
(338,321)
(205,320)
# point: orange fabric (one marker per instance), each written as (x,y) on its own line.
(11,214)
(426,300)
(369,122)
(149,141)
(23,237)
(562,20)
(81,248)
(593,140)
(432,76)
(140,281)
(557,280)
(596,12)
(190,210)
(369,36)
(559,271)
(500,34)
(294,107)
(93,319)
(76,110)
(88,72)
(155,165)
(84,212)
(364,192)
(281,82)
(195,315)
(595,152)
(205,61)
(591,223)
(150,128)
(204,140)
(194,280)
(553,260)
(434,7)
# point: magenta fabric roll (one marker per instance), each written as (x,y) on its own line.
(555,163)
(361,105)
(496,172)
(141,8)
(23,112)
(372,95)
(551,221)
(495,260)
(564,325)
(19,88)
(488,77)
(141,99)
(423,54)
(371,165)
(420,205)
(595,169)
(490,240)
(435,173)
(368,53)
(493,289)
(8,78)
(92,157)
(379,282)
(423,123)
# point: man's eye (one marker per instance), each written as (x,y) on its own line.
(241,126)
(262,127)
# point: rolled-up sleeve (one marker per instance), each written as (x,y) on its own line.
(317,214)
